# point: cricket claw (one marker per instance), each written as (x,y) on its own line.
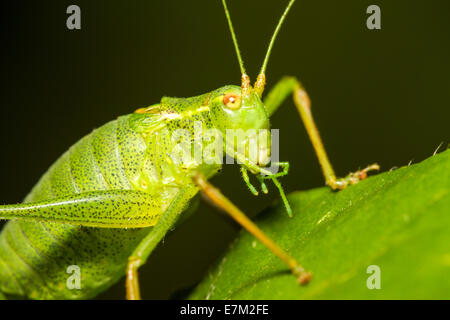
(352,178)
(303,277)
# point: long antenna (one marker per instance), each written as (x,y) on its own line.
(233,35)
(245,80)
(261,80)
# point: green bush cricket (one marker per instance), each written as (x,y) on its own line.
(108,201)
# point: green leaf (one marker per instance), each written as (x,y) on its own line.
(397,220)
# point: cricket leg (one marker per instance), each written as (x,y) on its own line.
(99,209)
(109,209)
(274,99)
(148,244)
(220,200)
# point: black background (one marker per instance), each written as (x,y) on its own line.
(378,95)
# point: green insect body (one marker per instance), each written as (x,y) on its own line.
(121,155)
(106,203)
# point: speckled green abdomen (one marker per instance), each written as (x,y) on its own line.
(34,256)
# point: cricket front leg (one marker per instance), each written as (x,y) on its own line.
(221,201)
(149,243)
(274,99)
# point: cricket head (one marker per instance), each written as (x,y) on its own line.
(229,109)
(243,122)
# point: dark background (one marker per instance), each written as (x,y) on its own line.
(378,95)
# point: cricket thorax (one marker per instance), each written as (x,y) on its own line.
(196,133)
(173,132)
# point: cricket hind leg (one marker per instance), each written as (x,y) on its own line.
(274,99)
(224,203)
(148,244)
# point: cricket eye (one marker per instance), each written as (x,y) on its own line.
(232,101)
